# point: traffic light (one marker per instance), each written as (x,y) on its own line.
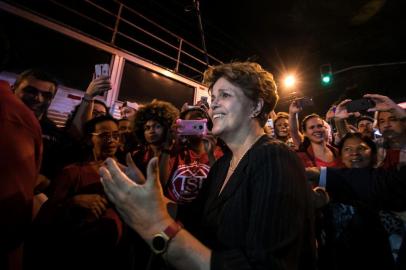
(326,75)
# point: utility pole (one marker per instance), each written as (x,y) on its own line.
(199,17)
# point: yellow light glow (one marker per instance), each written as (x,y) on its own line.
(289,81)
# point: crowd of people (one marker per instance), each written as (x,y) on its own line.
(135,193)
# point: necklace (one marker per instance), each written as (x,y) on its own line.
(234,164)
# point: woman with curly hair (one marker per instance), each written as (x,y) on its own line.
(152,124)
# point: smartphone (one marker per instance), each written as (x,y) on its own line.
(192,127)
(304,102)
(102,70)
(362,104)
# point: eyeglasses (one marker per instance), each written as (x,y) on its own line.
(97,113)
(107,136)
(33,91)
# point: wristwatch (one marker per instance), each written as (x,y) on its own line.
(161,240)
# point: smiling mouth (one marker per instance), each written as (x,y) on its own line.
(217,116)
(356,160)
(318,135)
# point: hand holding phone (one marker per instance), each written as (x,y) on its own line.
(304,102)
(192,127)
(101,81)
(362,104)
(102,70)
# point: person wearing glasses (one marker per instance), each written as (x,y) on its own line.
(80,224)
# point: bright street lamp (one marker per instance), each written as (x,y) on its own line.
(290,81)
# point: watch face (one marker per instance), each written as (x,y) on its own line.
(159,243)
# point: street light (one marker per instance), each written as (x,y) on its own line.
(289,81)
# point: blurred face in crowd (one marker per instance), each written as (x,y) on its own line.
(36,94)
(124,126)
(128,112)
(356,153)
(98,110)
(153,132)
(105,139)
(231,110)
(389,125)
(365,127)
(282,128)
(315,130)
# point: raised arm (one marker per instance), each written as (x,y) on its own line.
(85,110)
(340,116)
(295,134)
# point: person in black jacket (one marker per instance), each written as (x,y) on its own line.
(257,211)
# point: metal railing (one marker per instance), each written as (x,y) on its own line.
(122,26)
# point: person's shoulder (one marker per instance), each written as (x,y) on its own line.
(73,167)
(12,109)
(267,143)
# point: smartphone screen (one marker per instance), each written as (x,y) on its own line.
(101,70)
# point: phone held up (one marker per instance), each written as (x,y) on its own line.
(101,70)
(304,102)
(358,105)
(192,127)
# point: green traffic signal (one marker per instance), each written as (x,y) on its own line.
(326,79)
(326,74)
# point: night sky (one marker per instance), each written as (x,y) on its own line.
(283,36)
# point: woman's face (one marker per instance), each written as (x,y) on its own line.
(105,140)
(153,132)
(356,153)
(98,110)
(231,110)
(315,130)
(282,127)
(124,126)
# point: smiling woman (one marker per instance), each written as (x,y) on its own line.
(254,210)
(315,151)
(81,226)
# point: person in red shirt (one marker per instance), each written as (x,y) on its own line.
(189,166)
(315,151)
(20,155)
(77,225)
(152,127)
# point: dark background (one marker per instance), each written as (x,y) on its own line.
(283,36)
(299,36)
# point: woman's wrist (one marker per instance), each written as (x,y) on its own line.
(87,98)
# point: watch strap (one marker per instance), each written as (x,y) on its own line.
(173,229)
(161,240)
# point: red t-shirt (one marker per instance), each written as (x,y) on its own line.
(20,160)
(79,179)
(188,172)
(392,159)
(309,160)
